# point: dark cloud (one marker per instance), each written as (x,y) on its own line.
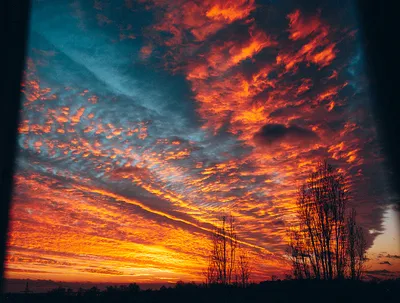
(393,256)
(278,222)
(385,263)
(271,134)
(383,272)
(131,172)
(284,111)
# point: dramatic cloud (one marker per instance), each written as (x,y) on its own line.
(144,121)
(271,134)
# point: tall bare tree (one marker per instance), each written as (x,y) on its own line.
(319,246)
(227,264)
(356,246)
(243,268)
(222,260)
(299,251)
(211,273)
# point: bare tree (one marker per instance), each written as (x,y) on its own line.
(222,259)
(319,245)
(356,246)
(232,249)
(228,262)
(243,268)
(211,273)
(299,251)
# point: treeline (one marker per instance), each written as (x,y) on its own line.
(325,243)
(326,249)
(309,291)
(228,262)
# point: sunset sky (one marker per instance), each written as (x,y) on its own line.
(144,121)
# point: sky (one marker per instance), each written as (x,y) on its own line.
(145,121)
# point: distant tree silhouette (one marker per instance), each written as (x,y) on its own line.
(243,268)
(223,254)
(179,284)
(133,287)
(324,241)
(276,290)
(288,277)
(356,247)
(58,292)
(111,289)
(27,290)
(227,263)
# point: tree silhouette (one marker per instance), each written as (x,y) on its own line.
(324,240)
(243,268)
(227,263)
(223,254)
(356,247)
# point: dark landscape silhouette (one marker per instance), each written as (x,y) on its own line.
(327,251)
(269,291)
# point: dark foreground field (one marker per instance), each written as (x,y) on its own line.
(277,291)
